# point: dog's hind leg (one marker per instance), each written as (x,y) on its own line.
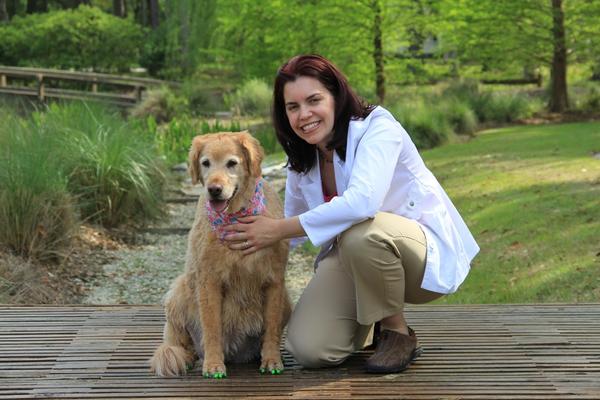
(176,353)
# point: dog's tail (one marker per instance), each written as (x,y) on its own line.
(169,360)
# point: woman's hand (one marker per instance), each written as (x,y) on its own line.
(252,233)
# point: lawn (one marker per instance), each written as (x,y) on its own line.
(531,196)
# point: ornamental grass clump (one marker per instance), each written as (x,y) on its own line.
(113,169)
(37,212)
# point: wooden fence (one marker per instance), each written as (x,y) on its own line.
(124,91)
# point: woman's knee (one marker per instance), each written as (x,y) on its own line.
(363,241)
(311,353)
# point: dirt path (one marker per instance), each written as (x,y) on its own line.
(141,274)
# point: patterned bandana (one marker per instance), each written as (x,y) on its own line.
(218,219)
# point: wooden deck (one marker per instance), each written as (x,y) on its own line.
(470,352)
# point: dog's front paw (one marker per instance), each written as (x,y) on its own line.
(271,365)
(215,370)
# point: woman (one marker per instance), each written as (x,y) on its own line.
(357,187)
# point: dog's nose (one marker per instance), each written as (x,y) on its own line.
(215,190)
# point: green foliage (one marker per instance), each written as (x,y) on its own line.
(267,138)
(175,138)
(460,115)
(488,106)
(82,38)
(203,98)
(434,115)
(37,213)
(162,104)
(111,168)
(252,98)
(427,126)
(586,97)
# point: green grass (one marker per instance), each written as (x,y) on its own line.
(531,196)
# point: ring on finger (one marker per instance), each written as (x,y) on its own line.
(246,244)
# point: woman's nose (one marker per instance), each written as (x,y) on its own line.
(305,112)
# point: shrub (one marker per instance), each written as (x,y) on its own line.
(252,98)
(585,97)
(427,126)
(112,168)
(85,37)
(162,104)
(460,116)
(505,108)
(203,99)
(37,214)
(489,106)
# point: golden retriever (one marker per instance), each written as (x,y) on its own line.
(226,307)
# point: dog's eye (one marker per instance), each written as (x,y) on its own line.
(231,163)
(206,163)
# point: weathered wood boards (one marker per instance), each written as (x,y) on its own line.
(471,352)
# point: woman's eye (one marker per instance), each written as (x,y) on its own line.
(206,163)
(292,108)
(231,163)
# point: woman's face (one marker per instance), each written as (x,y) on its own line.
(310,108)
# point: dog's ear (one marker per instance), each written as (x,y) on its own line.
(253,153)
(195,151)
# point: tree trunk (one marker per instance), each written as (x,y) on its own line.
(559,101)
(37,6)
(3,12)
(378,52)
(120,8)
(154,13)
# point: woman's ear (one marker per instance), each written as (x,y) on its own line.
(253,152)
(194,157)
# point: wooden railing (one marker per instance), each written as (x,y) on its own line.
(536,80)
(41,83)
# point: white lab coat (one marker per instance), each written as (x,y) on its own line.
(383,171)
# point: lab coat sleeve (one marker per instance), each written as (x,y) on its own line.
(373,169)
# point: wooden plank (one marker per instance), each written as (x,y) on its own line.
(471,352)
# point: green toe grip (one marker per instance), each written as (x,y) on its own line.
(262,370)
(216,375)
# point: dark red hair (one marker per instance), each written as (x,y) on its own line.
(301,155)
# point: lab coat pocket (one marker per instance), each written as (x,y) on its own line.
(414,203)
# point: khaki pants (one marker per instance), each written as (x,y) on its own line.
(374,268)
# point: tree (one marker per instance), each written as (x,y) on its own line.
(37,6)
(516,35)
(559,101)
(378,51)
(3,12)
(154,13)
(119,8)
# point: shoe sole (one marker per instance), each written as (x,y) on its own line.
(392,370)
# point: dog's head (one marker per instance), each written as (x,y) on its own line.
(227,164)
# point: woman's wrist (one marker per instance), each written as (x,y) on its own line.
(289,228)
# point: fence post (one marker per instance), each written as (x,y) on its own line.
(2,80)
(41,89)
(138,93)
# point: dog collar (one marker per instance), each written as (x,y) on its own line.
(219,219)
